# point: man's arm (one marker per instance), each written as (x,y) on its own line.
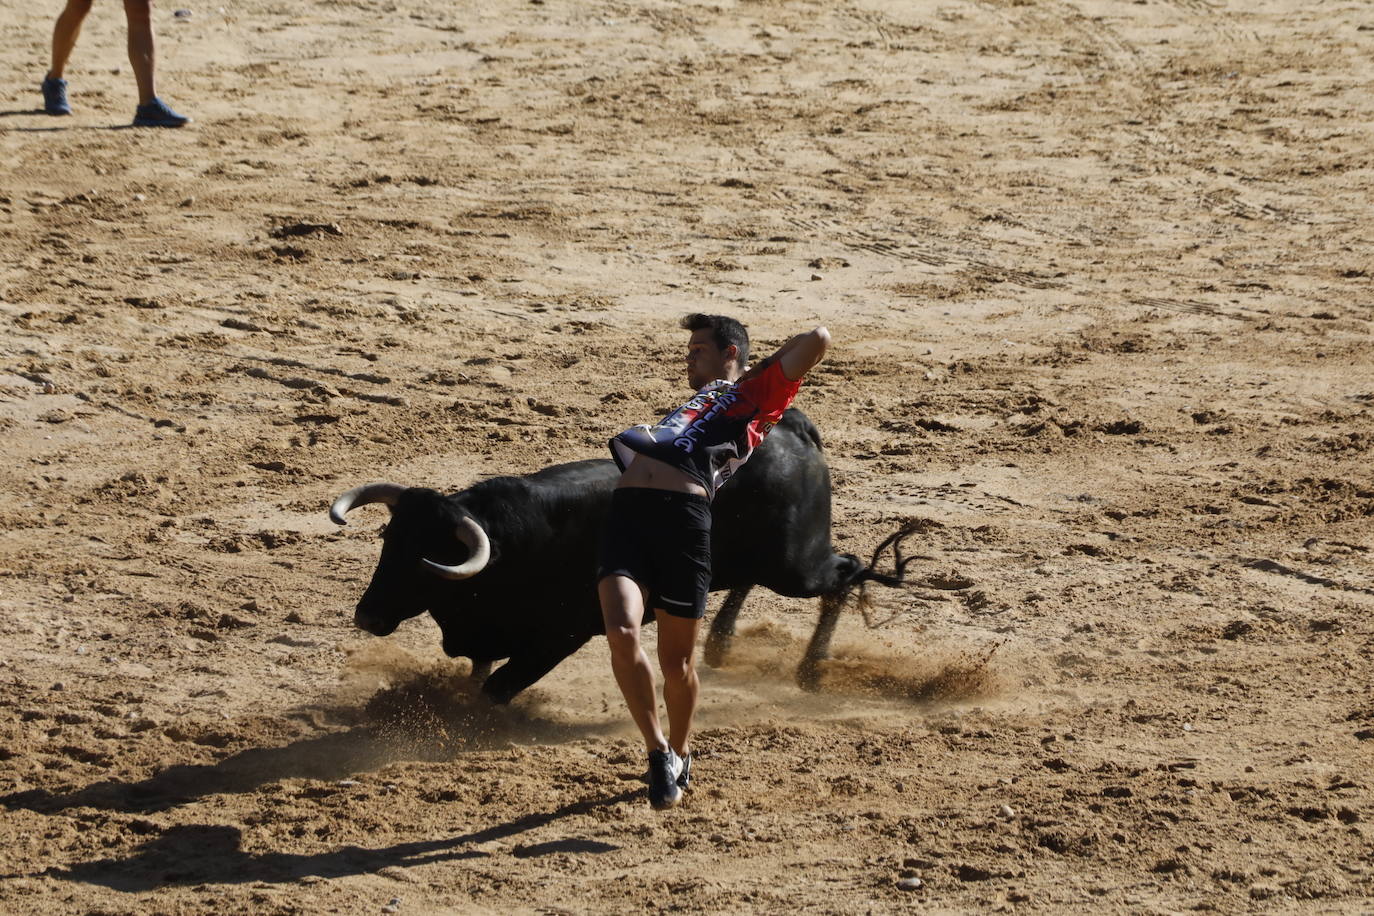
(798,356)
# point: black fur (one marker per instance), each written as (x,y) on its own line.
(536,603)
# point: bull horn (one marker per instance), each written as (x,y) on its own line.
(361,496)
(471,534)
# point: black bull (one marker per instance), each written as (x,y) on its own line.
(524,585)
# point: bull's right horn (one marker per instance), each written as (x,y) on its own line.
(479,547)
(361,496)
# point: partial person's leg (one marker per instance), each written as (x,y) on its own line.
(622,608)
(151,111)
(677,641)
(140,16)
(65,33)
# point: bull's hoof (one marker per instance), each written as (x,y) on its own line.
(497,696)
(714,652)
(809,675)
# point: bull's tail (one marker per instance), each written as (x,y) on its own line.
(857,575)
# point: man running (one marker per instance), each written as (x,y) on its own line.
(656,549)
(151,110)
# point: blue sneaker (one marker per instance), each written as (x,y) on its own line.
(55,96)
(158,113)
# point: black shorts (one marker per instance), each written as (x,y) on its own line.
(661,540)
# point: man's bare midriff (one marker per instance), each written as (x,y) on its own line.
(659,475)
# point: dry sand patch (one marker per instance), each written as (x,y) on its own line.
(1099,282)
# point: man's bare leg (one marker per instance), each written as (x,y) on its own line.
(622,608)
(65,33)
(677,641)
(139,13)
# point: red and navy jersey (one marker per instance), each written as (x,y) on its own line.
(715,432)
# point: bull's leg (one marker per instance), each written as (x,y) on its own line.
(723,627)
(809,673)
(480,670)
(523,670)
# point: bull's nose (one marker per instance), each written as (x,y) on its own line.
(377,626)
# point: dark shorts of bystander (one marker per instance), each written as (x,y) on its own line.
(662,540)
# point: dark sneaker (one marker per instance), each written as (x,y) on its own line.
(55,97)
(665,768)
(684,779)
(158,113)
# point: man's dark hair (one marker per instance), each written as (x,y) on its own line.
(726,331)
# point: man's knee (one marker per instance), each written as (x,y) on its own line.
(679,668)
(623,639)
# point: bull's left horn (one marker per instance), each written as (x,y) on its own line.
(361,496)
(471,534)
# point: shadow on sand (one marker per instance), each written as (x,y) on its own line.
(429,716)
(328,757)
(210,854)
(54,125)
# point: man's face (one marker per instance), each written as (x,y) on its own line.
(707,362)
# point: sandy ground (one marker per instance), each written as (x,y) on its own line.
(1098,273)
